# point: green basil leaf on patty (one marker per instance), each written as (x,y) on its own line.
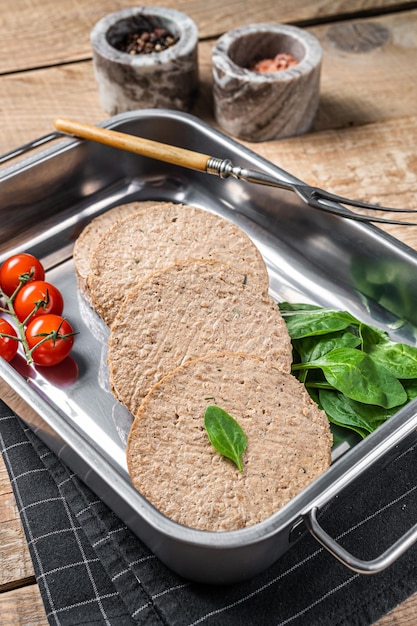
(225,434)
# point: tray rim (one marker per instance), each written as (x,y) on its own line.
(386,436)
(67,143)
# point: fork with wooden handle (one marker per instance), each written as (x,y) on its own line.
(175,155)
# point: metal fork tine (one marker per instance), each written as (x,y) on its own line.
(357,217)
(313,196)
(326,195)
(318,199)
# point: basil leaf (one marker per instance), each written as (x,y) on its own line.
(359,377)
(225,434)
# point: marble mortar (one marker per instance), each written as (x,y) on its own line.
(262,106)
(166,79)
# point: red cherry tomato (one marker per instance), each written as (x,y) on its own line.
(37,298)
(20,267)
(54,350)
(8,345)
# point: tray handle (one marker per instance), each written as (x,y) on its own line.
(31,145)
(358,565)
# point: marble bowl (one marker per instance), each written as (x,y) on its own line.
(165,79)
(259,106)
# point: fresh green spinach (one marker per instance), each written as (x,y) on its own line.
(354,371)
(316,321)
(359,377)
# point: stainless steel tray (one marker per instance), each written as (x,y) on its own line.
(45,201)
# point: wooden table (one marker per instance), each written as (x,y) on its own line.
(363,143)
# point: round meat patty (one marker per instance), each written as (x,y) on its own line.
(146,241)
(184,312)
(172,463)
(88,239)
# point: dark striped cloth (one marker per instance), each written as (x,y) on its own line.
(92,570)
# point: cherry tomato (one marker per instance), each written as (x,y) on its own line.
(8,346)
(53,350)
(19,267)
(41,294)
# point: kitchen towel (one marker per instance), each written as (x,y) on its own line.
(91,569)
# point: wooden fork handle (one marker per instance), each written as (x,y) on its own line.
(138,145)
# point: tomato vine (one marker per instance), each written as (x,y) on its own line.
(35,308)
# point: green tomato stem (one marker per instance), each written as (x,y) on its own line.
(20,327)
(53,335)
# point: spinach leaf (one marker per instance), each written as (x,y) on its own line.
(410,387)
(312,348)
(314,321)
(225,434)
(399,358)
(360,417)
(299,306)
(344,435)
(352,370)
(359,377)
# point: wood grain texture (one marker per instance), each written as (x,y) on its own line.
(351,163)
(138,145)
(361,87)
(23,607)
(363,144)
(39,33)
(356,89)
(15,562)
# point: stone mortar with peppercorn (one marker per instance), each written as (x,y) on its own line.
(145,58)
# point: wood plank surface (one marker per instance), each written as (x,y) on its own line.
(38,34)
(15,562)
(366,65)
(23,607)
(367,62)
(403,615)
(31,102)
(21,602)
(351,163)
(357,88)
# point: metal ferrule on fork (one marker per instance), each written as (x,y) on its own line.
(225,168)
